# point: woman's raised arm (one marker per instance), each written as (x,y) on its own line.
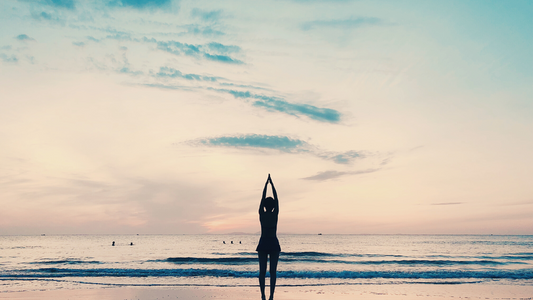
(276,207)
(262,204)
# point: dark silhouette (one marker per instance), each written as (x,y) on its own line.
(268,243)
(131,244)
(113,243)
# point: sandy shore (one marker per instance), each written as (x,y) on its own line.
(372,292)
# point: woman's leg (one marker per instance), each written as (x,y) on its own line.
(274,256)
(262,272)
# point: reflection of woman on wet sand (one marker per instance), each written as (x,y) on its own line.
(268,244)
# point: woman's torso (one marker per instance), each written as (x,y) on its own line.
(269,224)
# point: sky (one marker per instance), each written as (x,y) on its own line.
(166,116)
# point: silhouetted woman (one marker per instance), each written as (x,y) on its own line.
(268,244)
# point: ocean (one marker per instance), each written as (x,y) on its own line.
(40,263)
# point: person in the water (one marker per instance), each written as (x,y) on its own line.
(268,243)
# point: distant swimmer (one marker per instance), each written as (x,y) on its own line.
(240,242)
(131,244)
(223,242)
(268,243)
(113,243)
(232,242)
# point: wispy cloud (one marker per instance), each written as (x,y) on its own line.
(342,158)
(9,58)
(447,203)
(127,70)
(24,37)
(140,4)
(168,87)
(322,176)
(342,23)
(274,104)
(196,29)
(124,36)
(247,86)
(222,58)
(282,143)
(211,51)
(61,3)
(318,1)
(90,38)
(173,73)
(126,67)
(277,142)
(206,15)
(220,48)
(43,15)
(281,105)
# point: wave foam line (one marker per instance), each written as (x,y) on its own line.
(411,262)
(437,274)
(507,256)
(236,285)
(65,261)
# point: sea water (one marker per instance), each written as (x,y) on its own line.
(79,261)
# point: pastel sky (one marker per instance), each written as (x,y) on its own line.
(166,116)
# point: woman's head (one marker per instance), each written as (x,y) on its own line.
(269,203)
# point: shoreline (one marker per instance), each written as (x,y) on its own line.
(370,292)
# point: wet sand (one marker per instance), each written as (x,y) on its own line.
(370,292)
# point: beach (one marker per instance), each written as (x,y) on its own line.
(382,292)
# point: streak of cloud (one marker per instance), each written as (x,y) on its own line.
(9,58)
(195,29)
(343,158)
(327,175)
(140,4)
(24,37)
(173,73)
(90,38)
(342,23)
(69,4)
(211,51)
(276,142)
(280,105)
(318,1)
(247,86)
(218,47)
(222,58)
(281,143)
(168,87)
(206,15)
(128,70)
